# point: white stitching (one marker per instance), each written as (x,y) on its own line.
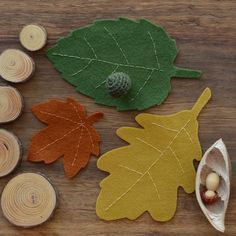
(123,194)
(90,46)
(77,148)
(117,44)
(154,184)
(174,130)
(141,88)
(188,135)
(117,64)
(132,170)
(107,62)
(177,159)
(82,69)
(153,164)
(90,136)
(104,81)
(148,144)
(58,139)
(155,51)
(61,117)
(76,111)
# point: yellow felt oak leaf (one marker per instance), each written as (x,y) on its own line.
(69,133)
(145,175)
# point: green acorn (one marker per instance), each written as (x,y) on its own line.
(118,84)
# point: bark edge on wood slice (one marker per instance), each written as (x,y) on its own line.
(11,104)
(10,152)
(28,200)
(16,66)
(33,37)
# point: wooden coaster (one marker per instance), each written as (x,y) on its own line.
(28,200)
(11,104)
(33,37)
(10,152)
(16,66)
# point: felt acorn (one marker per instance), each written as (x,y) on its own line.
(118,84)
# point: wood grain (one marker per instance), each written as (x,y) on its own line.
(205,31)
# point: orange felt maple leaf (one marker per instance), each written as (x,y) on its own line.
(69,133)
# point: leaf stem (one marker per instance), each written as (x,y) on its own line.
(186,73)
(201,102)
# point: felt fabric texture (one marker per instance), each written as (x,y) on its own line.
(145,175)
(69,133)
(142,50)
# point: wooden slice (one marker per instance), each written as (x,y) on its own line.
(16,66)
(11,104)
(28,200)
(33,37)
(10,152)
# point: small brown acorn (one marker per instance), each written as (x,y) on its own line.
(209,196)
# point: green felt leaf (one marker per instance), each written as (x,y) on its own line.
(140,49)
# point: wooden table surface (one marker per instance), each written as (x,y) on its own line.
(205,31)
